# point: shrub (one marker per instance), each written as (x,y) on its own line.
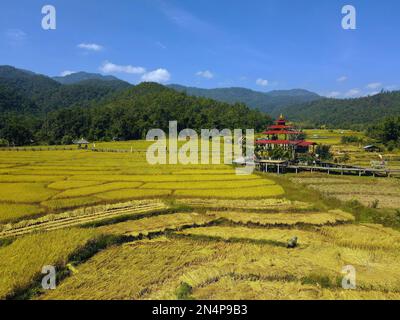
(67,140)
(4,143)
(374,204)
(184,291)
(324,152)
(350,139)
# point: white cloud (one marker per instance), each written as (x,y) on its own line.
(391,87)
(90,46)
(109,67)
(374,93)
(262,82)
(159,75)
(353,93)
(341,79)
(161,45)
(374,85)
(205,74)
(15,37)
(66,73)
(333,94)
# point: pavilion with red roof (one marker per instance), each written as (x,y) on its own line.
(286,137)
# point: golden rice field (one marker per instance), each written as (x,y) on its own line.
(117,228)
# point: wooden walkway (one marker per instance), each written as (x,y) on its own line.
(283,167)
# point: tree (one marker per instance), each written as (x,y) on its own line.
(324,152)
(67,140)
(4,143)
(16,133)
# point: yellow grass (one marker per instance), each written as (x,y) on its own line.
(287,219)
(13,211)
(24,192)
(209,184)
(30,178)
(279,237)
(22,261)
(237,289)
(162,178)
(248,193)
(262,204)
(155,269)
(156,224)
(91,190)
(225,260)
(65,185)
(64,204)
(365,236)
(133,194)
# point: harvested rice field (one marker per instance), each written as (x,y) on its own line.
(115,227)
(378,193)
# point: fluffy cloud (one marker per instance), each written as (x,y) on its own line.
(90,46)
(341,79)
(109,67)
(333,94)
(374,85)
(15,37)
(262,82)
(205,74)
(66,73)
(353,93)
(159,75)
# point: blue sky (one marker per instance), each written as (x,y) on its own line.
(259,44)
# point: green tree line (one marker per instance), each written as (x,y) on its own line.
(128,115)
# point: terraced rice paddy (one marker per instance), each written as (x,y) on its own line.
(118,228)
(56,181)
(381,193)
(286,219)
(357,156)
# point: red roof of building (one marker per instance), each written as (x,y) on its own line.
(280,127)
(286,142)
(281,132)
(306,144)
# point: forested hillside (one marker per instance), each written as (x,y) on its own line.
(25,92)
(35,109)
(270,102)
(347,113)
(135,111)
(84,76)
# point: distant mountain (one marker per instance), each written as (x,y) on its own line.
(346,113)
(37,109)
(77,77)
(23,91)
(270,102)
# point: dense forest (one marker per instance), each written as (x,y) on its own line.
(347,113)
(27,93)
(386,132)
(34,110)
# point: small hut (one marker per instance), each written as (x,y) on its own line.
(82,143)
(372,148)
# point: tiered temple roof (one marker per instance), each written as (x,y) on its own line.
(291,137)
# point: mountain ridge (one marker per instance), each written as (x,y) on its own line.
(269,102)
(80,76)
